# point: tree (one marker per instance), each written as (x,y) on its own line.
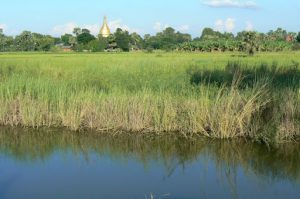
(181,38)
(122,39)
(151,42)
(136,41)
(84,30)
(6,42)
(207,33)
(57,40)
(72,41)
(85,38)
(227,35)
(42,42)
(98,45)
(277,35)
(111,42)
(210,34)
(46,43)
(298,37)
(167,38)
(25,41)
(1,31)
(66,39)
(250,39)
(77,31)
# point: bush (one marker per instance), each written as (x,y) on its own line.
(296,47)
(55,49)
(149,50)
(97,45)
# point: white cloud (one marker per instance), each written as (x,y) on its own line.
(230,4)
(69,27)
(230,24)
(183,28)
(158,27)
(219,25)
(62,29)
(3,27)
(249,26)
(94,28)
(119,24)
(227,25)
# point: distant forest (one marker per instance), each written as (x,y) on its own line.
(168,40)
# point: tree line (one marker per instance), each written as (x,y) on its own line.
(168,40)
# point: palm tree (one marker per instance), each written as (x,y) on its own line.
(250,41)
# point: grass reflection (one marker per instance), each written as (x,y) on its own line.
(274,163)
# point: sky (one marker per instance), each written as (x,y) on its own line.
(56,17)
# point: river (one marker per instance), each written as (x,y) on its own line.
(61,164)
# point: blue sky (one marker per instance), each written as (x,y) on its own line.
(149,16)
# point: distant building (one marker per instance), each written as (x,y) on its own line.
(64,48)
(105,30)
(67,48)
(289,38)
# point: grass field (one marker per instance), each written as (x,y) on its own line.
(219,95)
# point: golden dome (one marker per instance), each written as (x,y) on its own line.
(105,31)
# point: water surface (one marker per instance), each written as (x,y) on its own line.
(47,164)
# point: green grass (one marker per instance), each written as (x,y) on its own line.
(234,96)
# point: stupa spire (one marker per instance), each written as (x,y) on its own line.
(105,31)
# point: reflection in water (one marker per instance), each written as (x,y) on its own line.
(230,161)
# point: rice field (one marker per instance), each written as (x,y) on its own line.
(218,95)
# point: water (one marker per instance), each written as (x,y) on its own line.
(72,165)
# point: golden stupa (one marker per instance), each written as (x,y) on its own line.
(105,31)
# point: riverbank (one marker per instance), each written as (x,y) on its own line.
(214,95)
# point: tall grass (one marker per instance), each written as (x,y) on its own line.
(246,97)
